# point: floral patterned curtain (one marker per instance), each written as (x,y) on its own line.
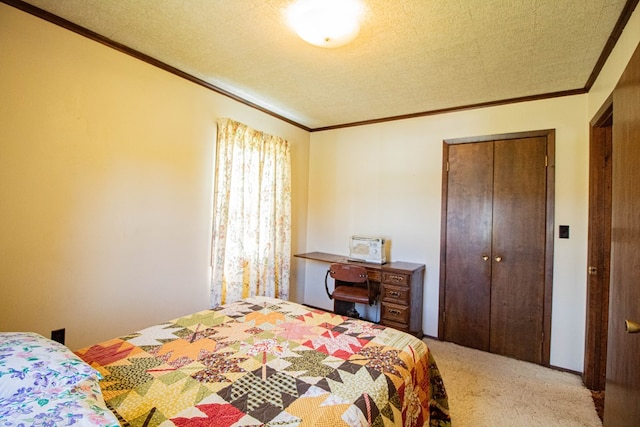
(251,244)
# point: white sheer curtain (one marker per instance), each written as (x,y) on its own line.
(251,242)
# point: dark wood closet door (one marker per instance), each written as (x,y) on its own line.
(468,275)
(497,251)
(518,256)
(622,399)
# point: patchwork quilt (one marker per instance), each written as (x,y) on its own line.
(266,362)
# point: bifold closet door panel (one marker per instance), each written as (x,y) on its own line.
(518,248)
(468,240)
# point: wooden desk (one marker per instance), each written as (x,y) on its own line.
(401,285)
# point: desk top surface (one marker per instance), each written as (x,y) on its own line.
(389,266)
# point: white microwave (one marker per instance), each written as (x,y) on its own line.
(368,249)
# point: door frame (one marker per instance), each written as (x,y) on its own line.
(599,247)
(549,134)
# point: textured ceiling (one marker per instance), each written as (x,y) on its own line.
(411,56)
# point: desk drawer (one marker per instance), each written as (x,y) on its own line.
(374,275)
(399,326)
(395,278)
(397,294)
(395,313)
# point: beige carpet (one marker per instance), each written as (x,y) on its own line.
(489,390)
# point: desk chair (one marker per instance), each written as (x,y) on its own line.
(351,285)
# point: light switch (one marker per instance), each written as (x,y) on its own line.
(564,232)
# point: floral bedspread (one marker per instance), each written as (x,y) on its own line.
(263,361)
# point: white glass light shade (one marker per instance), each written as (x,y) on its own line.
(326,23)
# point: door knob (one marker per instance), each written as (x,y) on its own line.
(631,327)
(498,258)
(485,257)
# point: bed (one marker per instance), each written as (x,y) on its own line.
(264,361)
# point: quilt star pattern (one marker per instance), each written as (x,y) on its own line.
(268,362)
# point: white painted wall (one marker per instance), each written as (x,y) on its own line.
(106,166)
(615,65)
(386,179)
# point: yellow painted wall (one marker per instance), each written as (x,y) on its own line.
(106,166)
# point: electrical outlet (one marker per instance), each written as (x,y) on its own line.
(58,335)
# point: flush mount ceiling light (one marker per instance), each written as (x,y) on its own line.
(326,23)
